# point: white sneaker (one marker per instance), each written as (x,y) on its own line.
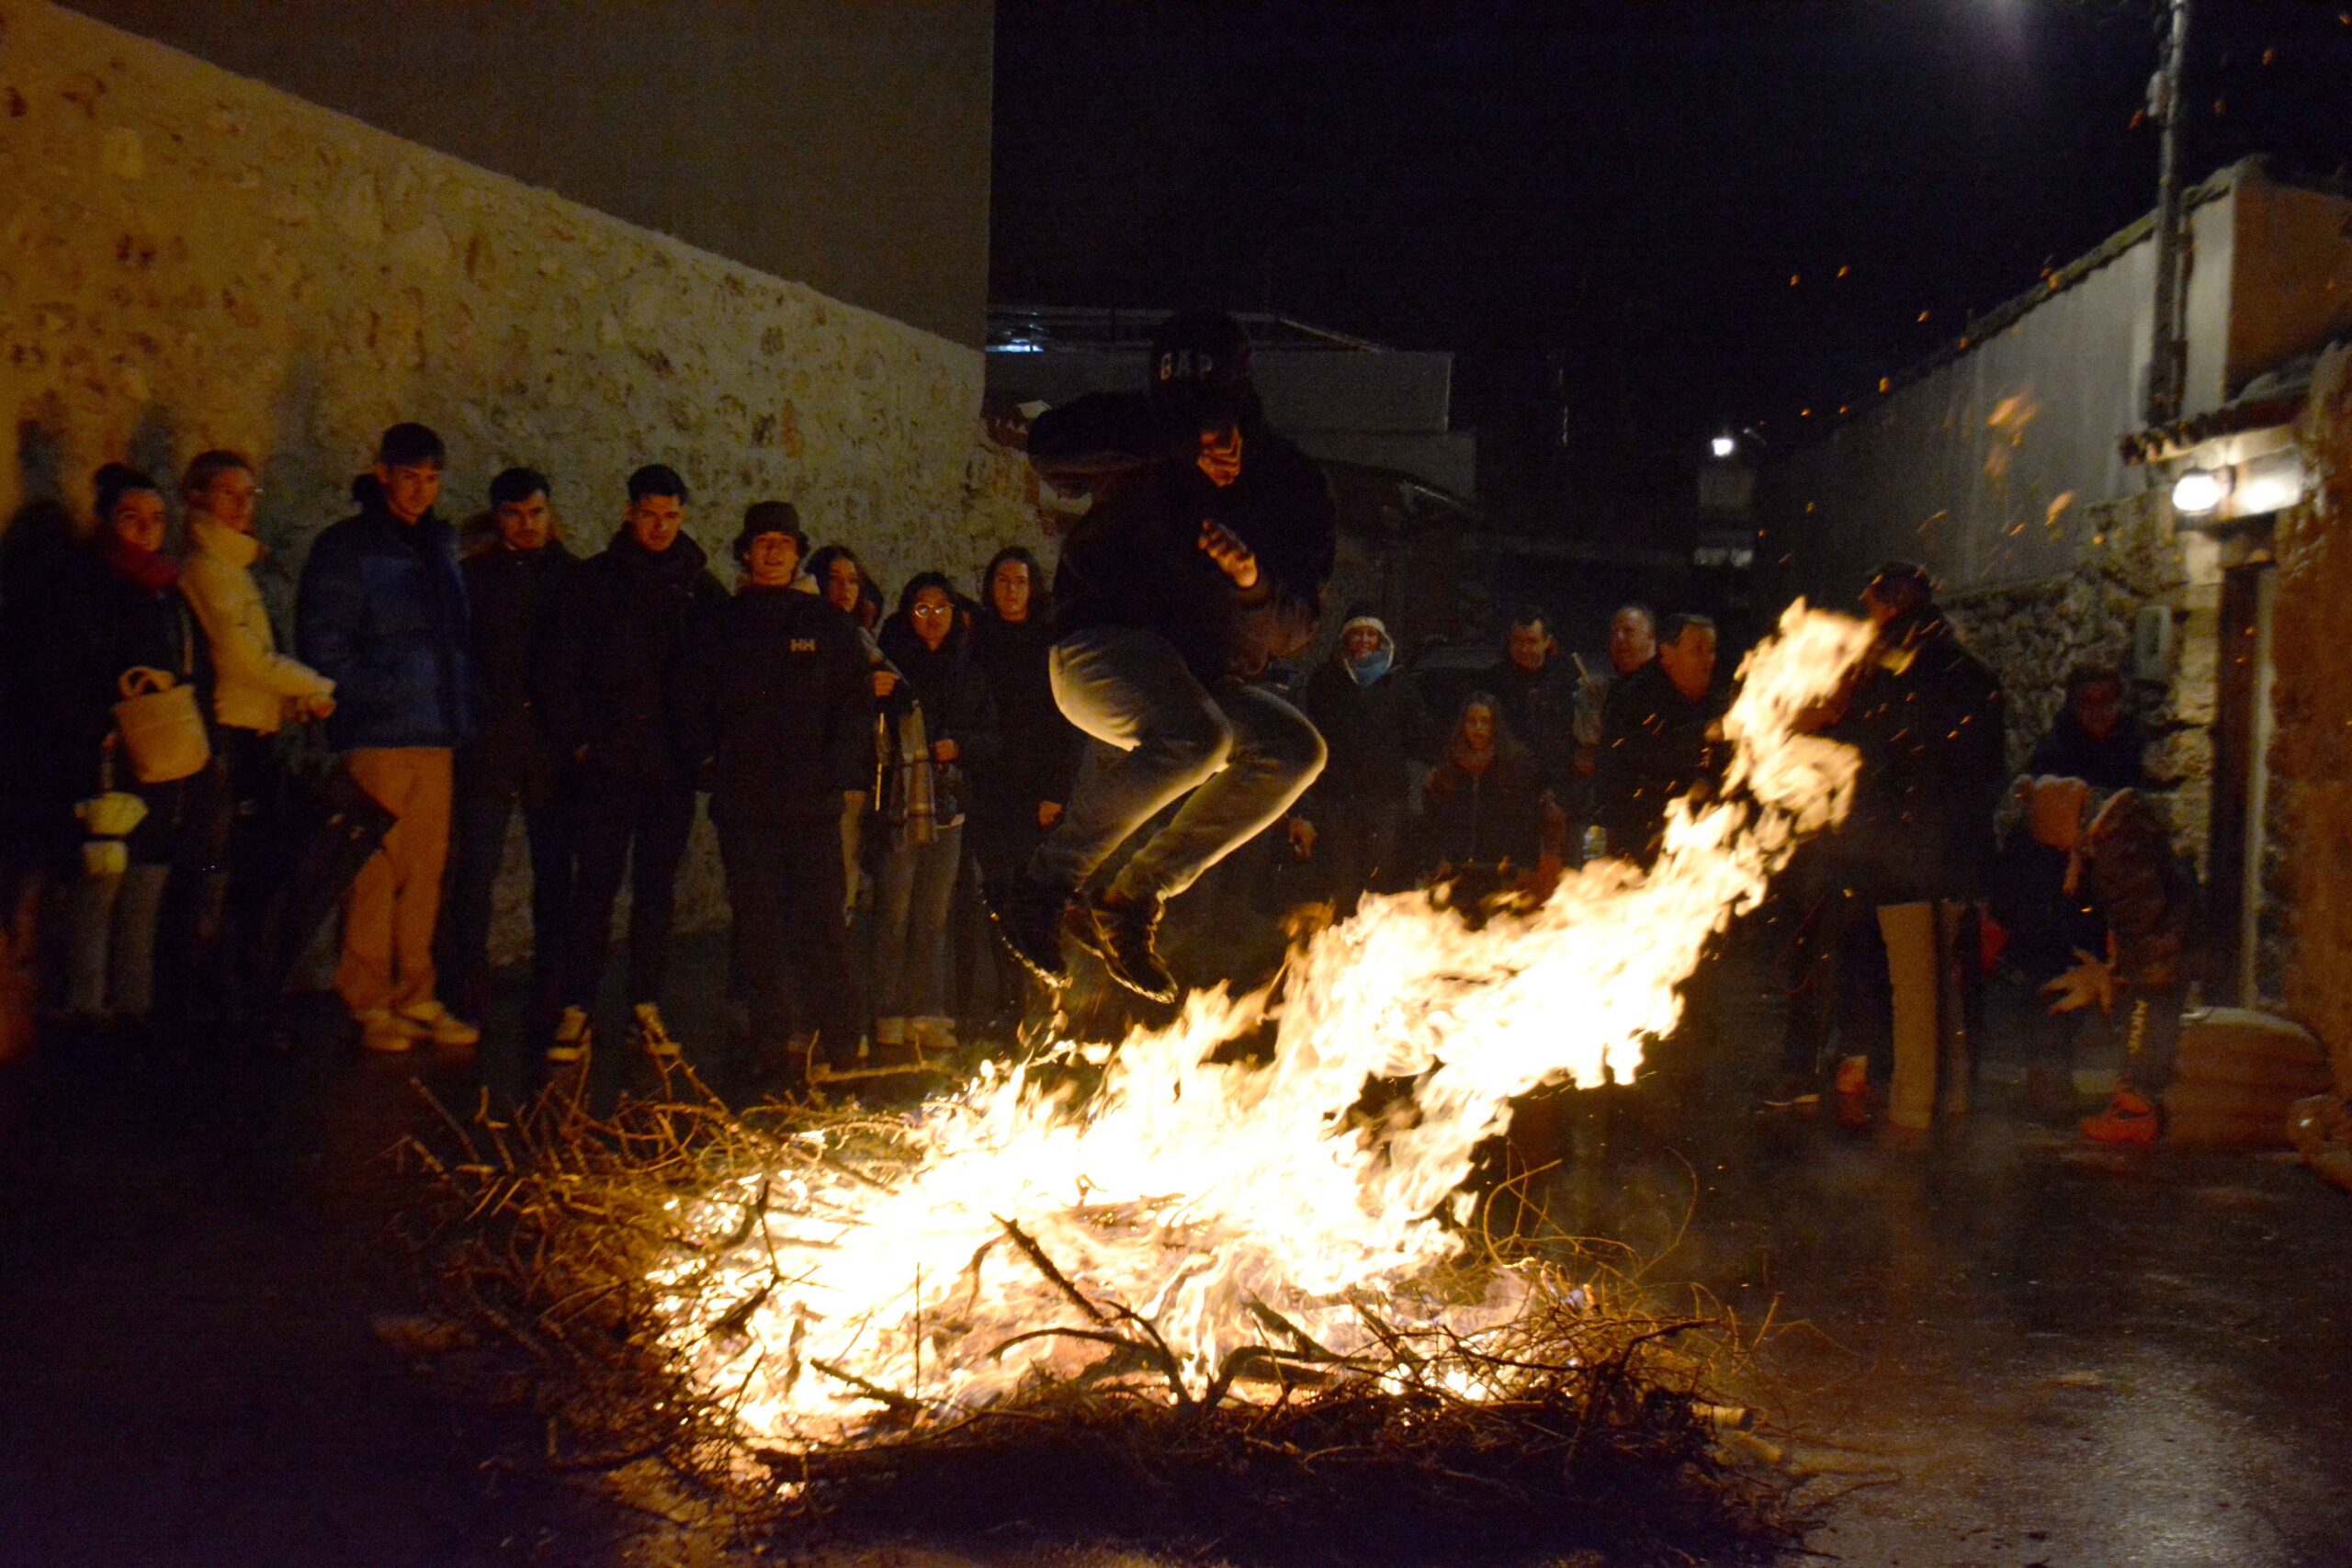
(432,1021)
(651,1034)
(572,1036)
(383,1030)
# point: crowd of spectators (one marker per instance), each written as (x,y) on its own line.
(866,774)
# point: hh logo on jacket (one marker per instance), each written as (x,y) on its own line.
(804,645)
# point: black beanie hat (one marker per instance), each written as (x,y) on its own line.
(770,517)
(1205,348)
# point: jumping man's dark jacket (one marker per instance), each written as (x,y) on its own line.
(1135,559)
(1655,744)
(623,617)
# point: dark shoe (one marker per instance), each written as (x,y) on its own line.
(1123,935)
(1027,916)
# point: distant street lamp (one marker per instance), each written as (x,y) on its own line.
(1723,445)
(2199,491)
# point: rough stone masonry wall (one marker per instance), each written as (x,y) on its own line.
(2308,866)
(190,259)
(2033,633)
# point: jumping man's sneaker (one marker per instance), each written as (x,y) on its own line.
(572,1036)
(1028,919)
(432,1021)
(1125,932)
(651,1035)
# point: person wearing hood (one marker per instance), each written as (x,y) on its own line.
(939,729)
(122,609)
(1203,554)
(382,613)
(257,690)
(772,701)
(1352,819)
(622,618)
(512,763)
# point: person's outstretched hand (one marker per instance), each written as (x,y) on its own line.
(2090,983)
(1233,558)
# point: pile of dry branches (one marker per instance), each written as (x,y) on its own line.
(1587,1424)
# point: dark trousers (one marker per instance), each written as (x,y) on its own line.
(625,826)
(479,830)
(786,885)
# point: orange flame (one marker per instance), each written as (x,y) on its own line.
(1194,1194)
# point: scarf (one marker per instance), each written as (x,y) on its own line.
(908,785)
(151,570)
(1367,670)
(224,542)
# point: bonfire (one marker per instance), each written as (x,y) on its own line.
(1168,1274)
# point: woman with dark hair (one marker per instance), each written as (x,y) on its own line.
(936,723)
(1015,802)
(123,622)
(1485,801)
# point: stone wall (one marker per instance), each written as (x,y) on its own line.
(2308,864)
(189,259)
(2033,633)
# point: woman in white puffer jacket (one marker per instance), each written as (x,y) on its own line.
(257,689)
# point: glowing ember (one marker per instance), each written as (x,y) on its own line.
(1202,1198)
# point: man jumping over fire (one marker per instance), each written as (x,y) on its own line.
(1203,555)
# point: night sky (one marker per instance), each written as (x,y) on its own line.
(1600,207)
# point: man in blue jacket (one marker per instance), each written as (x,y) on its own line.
(382,613)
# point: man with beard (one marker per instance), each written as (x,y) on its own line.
(1203,555)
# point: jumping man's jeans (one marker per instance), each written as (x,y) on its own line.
(1242,756)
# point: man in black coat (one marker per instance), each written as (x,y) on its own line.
(511,763)
(622,619)
(1203,555)
(773,701)
(1661,730)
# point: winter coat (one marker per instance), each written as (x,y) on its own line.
(2140,887)
(2069,752)
(1037,749)
(1655,745)
(106,625)
(252,683)
(773,701)
(2046,923)
(1489,817)
(1135,559)
(1540,707)
(1925,715)
(957,705)
(382,613)
(1373,733)
(621,619)
(515,594)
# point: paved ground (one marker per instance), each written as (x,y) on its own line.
(2038,1355)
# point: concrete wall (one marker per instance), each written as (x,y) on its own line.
(189,259)
(2308,868)
(844,143)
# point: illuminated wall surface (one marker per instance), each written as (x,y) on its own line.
(190,259)
(841,143)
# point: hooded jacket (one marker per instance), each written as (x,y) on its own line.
(1373,733)
(252,683)
(773,700)
(382,613)
(622,618)
(1135,559)
(514,595)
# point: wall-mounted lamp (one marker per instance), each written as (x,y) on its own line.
(2200,491)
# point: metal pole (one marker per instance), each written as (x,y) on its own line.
(2168,363)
